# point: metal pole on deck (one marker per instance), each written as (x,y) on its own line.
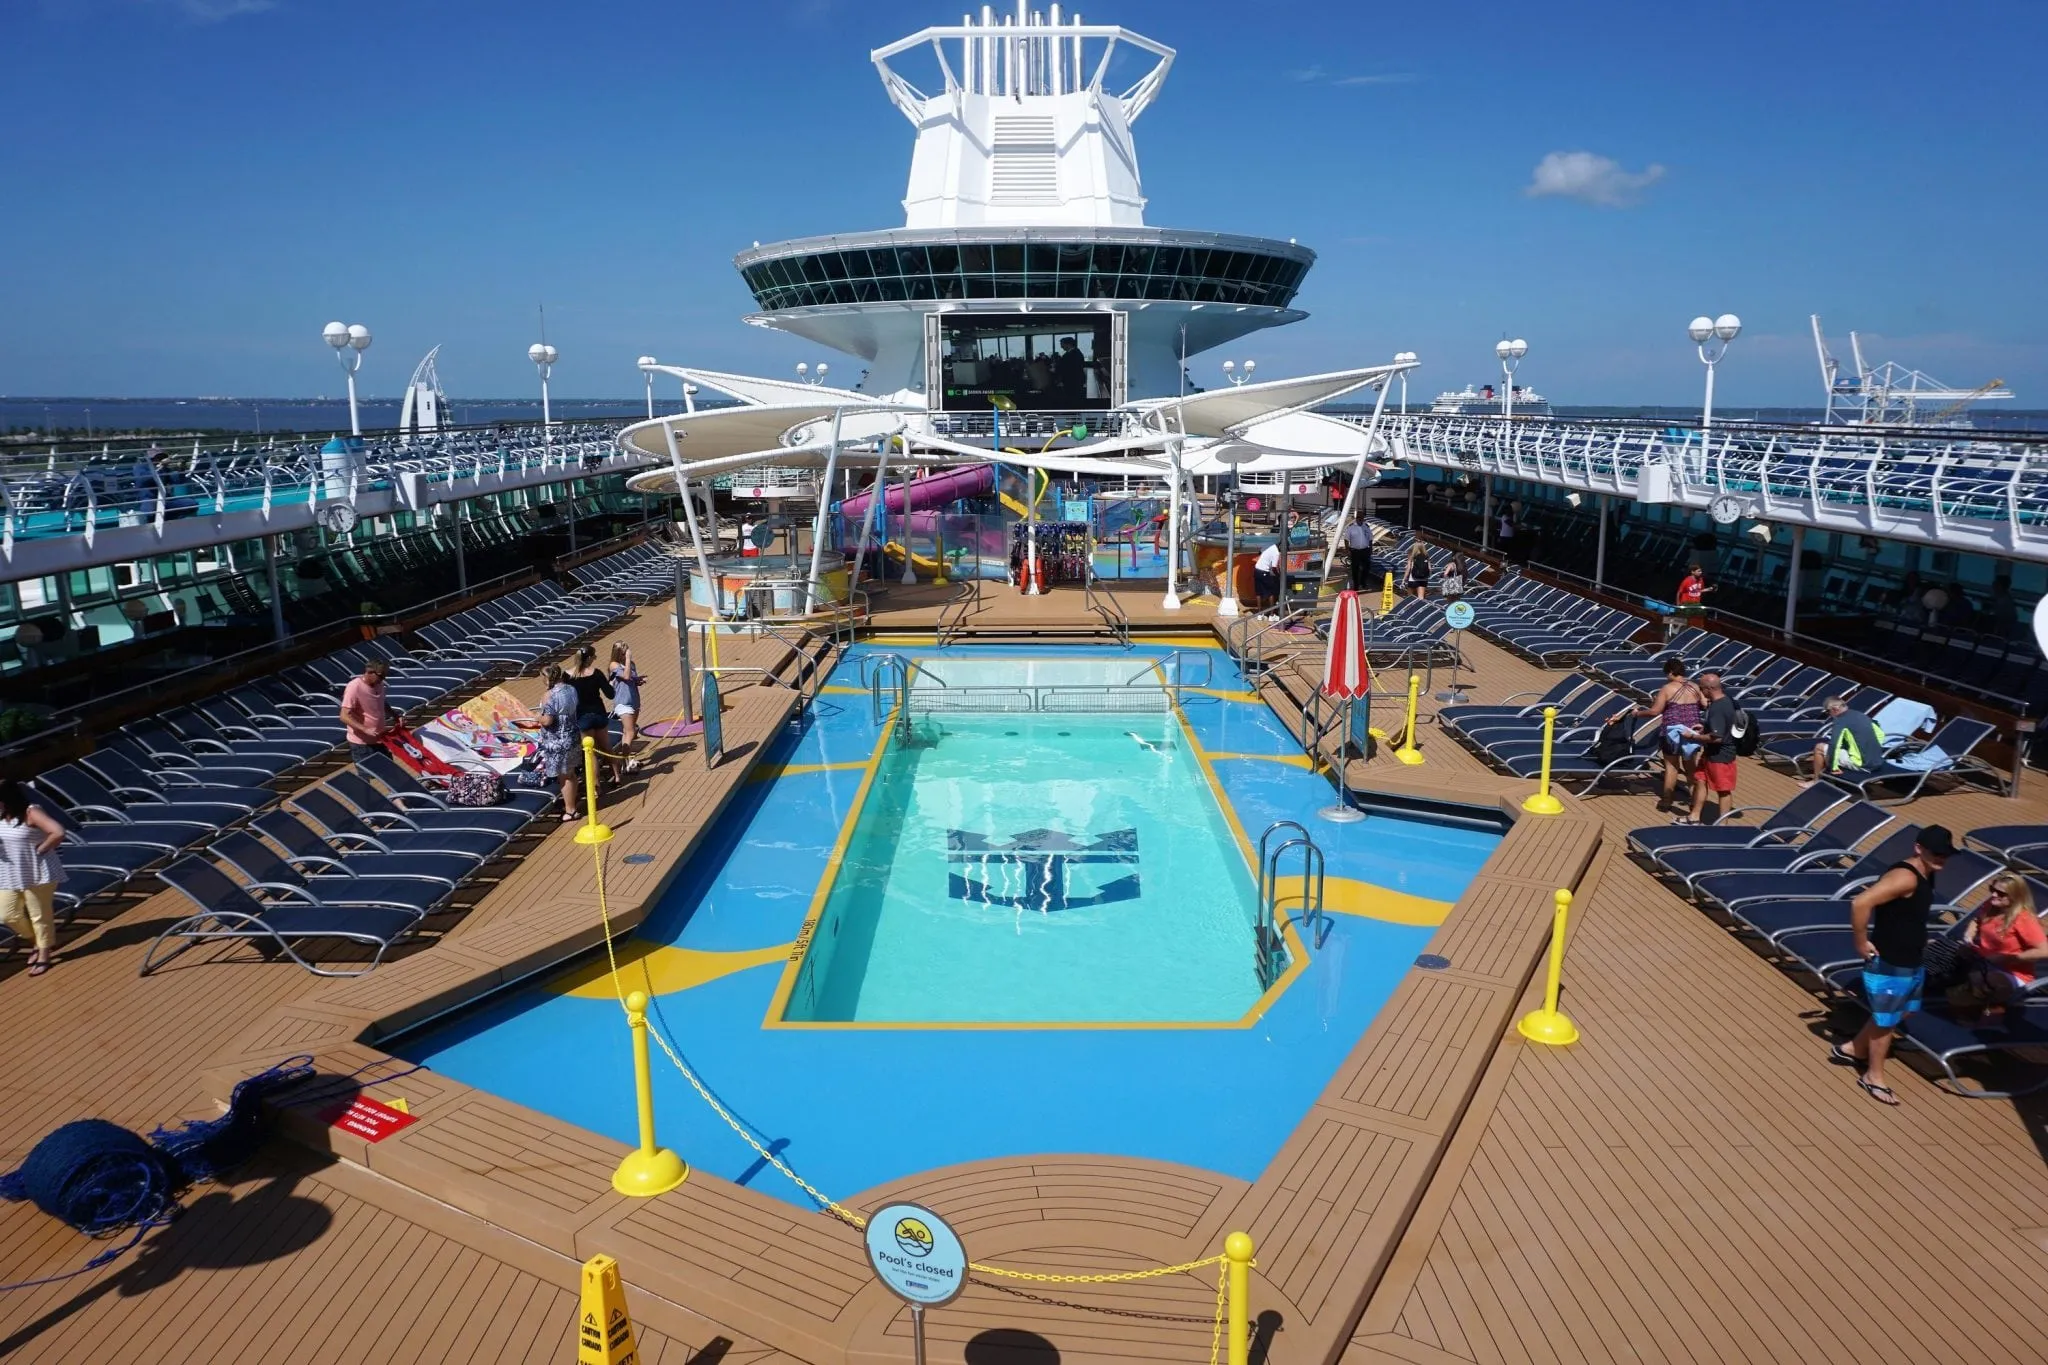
(1792,583)
(683,643)
(1486,513)
(1600,550)
(461,563)
(277,629)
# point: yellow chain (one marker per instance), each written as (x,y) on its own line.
(1216,1331)
(838,1210)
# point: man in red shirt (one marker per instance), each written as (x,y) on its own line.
(1692,588)
(363,711)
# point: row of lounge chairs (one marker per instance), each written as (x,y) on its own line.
(1550,626)
(350,864)
(1789,882)
(167,784)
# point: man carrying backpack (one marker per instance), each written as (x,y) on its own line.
(1717,759)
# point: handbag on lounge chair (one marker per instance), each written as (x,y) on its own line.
(479,788)
(1614,743)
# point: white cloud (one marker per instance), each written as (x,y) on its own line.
(1320,75)
(214,11)
(1590,179)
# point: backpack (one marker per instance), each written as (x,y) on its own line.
(1615,742)
(1744,732)
(481,788)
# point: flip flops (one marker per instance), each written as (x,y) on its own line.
(1881,1093)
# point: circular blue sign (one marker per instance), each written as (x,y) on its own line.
(1458,615)
(916,1254)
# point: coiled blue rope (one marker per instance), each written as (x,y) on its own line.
(99,1177)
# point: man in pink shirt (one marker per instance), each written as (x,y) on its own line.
(363,711)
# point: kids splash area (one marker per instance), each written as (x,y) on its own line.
(1012,898)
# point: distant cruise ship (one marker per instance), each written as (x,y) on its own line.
(1484,401)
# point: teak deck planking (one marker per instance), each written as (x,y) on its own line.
(1481,1199)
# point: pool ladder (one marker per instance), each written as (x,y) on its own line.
(1271,944)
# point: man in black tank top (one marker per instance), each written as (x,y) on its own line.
(1889,921)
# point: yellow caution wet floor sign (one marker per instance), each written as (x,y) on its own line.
(604,1333)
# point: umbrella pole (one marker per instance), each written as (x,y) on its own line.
(1342,812)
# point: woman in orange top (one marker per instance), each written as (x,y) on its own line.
(2010,945)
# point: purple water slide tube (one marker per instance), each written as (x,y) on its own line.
(927,494)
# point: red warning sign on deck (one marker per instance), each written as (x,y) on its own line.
(370,1120)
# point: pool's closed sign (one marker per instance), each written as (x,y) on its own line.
(916,1255)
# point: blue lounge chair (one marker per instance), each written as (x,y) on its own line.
(308,851)
(230,911)
(1963,875)
(1785,825)
(2021,845)
(1731,890)
(342,825)
(133,781)
(81,791)
(1833,842)
(261,864)
(411,793)
(378,808)
(1955,739)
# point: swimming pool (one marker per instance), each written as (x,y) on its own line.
(1033,867)
(828,1095)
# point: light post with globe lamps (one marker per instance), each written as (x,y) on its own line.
(1510,353)
(543,357)
(1705,333)
(349,343)
(647,364)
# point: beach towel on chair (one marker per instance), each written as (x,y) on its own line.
(408,749)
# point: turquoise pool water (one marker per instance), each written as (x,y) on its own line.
(1035,867)
(830,1098)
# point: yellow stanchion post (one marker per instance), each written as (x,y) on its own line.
(1387,596)
(604,1330)
(1549,1024)
(1543,803)
(1237,1252)
(592,832)
(647,1170)
(1408,753)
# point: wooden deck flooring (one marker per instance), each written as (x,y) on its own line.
(1691,1182)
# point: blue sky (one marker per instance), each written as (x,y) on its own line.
(195,186)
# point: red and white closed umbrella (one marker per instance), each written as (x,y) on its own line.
(1344,670)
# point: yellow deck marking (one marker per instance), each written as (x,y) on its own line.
(769,774)
(1291,760)
(841,688)
(663,969)
(1224,694)
(1343,896)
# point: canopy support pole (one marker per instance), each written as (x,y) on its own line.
(1351,492)
(696,538)
(824,513)
(878,493)
(1171,602)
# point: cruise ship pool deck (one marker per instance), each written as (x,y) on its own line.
(1041,937)
(1689,1182)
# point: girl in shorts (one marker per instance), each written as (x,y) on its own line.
(626,680)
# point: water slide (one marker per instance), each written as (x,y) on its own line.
(927,494)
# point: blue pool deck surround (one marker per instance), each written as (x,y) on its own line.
(850,1105)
